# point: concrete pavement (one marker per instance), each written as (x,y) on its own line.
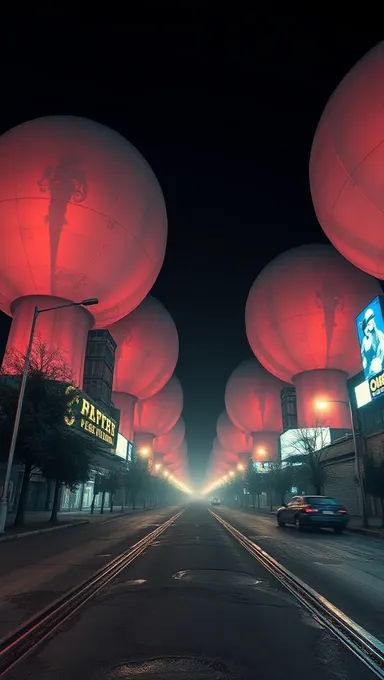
(36,570)
(348,570)
(195,605)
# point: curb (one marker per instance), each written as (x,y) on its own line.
(366,532)
(122,515)
(25,534)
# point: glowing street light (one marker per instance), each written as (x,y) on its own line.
(321,405)
(4,499)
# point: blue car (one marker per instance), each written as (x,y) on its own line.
(313,512)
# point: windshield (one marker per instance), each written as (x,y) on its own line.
(320,500)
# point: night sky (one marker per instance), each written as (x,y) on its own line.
(225,114)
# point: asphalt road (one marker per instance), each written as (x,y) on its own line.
(348,570)
(36,570)
(195,606)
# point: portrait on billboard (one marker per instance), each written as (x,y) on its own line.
(370,330)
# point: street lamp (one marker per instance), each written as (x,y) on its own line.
(4,498)
(322,406)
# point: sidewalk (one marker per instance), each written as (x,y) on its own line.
(38,522)
(374,529)
(38,516)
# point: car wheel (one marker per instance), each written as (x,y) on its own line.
(280,521)
(298,524)
(338,530)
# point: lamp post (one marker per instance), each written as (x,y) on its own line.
(322,405)
(36,313)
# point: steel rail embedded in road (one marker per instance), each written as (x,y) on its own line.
(15,646)
(365,646)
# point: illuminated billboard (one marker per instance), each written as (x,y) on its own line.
(370,332)
(262,467)
(124,448)
(297,442)
(363,394)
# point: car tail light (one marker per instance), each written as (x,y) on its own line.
(308,510)
(342,512)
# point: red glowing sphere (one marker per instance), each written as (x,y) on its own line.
(81,216)
(183,450)
(346,168)
(158,414)
(170,441)
(301,310)
(231,437)
(147,349)
(178,456)
(253,398)
(175,465)
(171,457)
(218,468)
(222,454)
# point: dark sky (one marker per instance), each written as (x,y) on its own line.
(225,113)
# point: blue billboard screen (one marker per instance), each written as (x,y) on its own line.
(370,331)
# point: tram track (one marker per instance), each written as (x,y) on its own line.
(17,645)
(368,649)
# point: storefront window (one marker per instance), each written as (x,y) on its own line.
(70,500)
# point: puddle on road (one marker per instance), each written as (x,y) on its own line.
(218,577)
(104,555)
(136,582)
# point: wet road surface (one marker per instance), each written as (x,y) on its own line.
(195,606)
(36,570)
(348,570)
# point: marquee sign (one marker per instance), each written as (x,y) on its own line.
(85,415)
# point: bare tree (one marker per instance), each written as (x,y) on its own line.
(255,483)
(308,453)
(279,479)
(46,404)
(46,360)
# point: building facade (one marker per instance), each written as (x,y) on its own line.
(96,418)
